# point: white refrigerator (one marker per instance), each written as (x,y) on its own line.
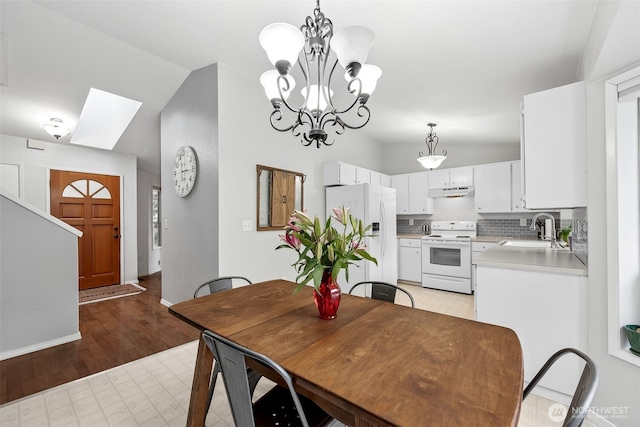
(375,205)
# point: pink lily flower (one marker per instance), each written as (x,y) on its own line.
(291,240)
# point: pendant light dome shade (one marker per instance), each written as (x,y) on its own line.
(431,162)
(351,45)
(282,42)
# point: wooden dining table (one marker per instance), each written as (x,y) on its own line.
(376,364)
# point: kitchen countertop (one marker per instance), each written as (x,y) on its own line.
(525,258)
(411,236)
(489,239)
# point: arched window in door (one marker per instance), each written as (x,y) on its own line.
(86,188)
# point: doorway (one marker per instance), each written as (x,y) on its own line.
(91,203)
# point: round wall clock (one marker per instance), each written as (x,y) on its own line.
(185,170)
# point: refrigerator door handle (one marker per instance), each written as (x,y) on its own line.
(384,221)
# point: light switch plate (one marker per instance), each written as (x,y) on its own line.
(246,225)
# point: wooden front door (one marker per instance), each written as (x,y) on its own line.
(91,203)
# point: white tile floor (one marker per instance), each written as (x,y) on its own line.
(154,391)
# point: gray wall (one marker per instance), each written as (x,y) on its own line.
(38,281)
(190,240)
(613,46)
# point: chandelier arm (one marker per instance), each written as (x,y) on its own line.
(276,116)
(363,111)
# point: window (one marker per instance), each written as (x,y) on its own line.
(623,208)
(156,217)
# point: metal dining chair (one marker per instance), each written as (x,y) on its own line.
(279,406)
(584,393)
(221,284)
(216,285)
(383,291)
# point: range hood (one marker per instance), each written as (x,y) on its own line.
(452,192)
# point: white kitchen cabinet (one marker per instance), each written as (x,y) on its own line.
(385,180)
(338,173)
(517,204)
(449,178)
(363,176)
(419,200)
(547,311)
(553,148)
(410,259)
(476,249)
(412,193)
(493,188)
(401,184)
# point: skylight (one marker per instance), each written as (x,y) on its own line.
(103,119)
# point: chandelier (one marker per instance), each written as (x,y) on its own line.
(432,160)
(311,46)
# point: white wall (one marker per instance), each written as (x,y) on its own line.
(613,46)
(37,163)
(190,240)
(38,281)
(247,139)
(401,158)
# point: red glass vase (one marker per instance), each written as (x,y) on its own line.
(327,299)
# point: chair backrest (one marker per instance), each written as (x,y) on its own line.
(585,391)
(384,291)
(231,357)
(220,284)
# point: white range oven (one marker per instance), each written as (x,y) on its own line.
(446,256)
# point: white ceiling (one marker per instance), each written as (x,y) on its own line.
(464,65)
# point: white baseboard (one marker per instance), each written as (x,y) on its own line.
(131,282)
(153,271)
(165,303)
(40,346)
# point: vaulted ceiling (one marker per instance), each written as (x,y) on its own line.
(464,65)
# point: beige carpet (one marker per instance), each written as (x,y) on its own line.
(108,292)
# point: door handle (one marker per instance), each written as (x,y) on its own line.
(115,236)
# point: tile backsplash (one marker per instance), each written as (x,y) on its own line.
(511,228)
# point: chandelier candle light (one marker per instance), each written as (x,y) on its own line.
(432,160)
(316,40)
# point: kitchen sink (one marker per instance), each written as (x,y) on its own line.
(531,244)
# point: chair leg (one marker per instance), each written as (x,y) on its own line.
(212,385)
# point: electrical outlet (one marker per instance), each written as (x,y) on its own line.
(523,222)
(246,225)
(411,222)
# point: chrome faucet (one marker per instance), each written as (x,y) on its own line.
(554,242)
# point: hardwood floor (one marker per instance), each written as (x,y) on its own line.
(114,332)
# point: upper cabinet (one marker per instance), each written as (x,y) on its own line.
(553,144)
(338,173)
(341,173)
(401,184)
(412,193)
(493,187)
(517,204)
(449,178)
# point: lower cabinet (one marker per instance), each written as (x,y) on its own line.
(547,311)
(410,259)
